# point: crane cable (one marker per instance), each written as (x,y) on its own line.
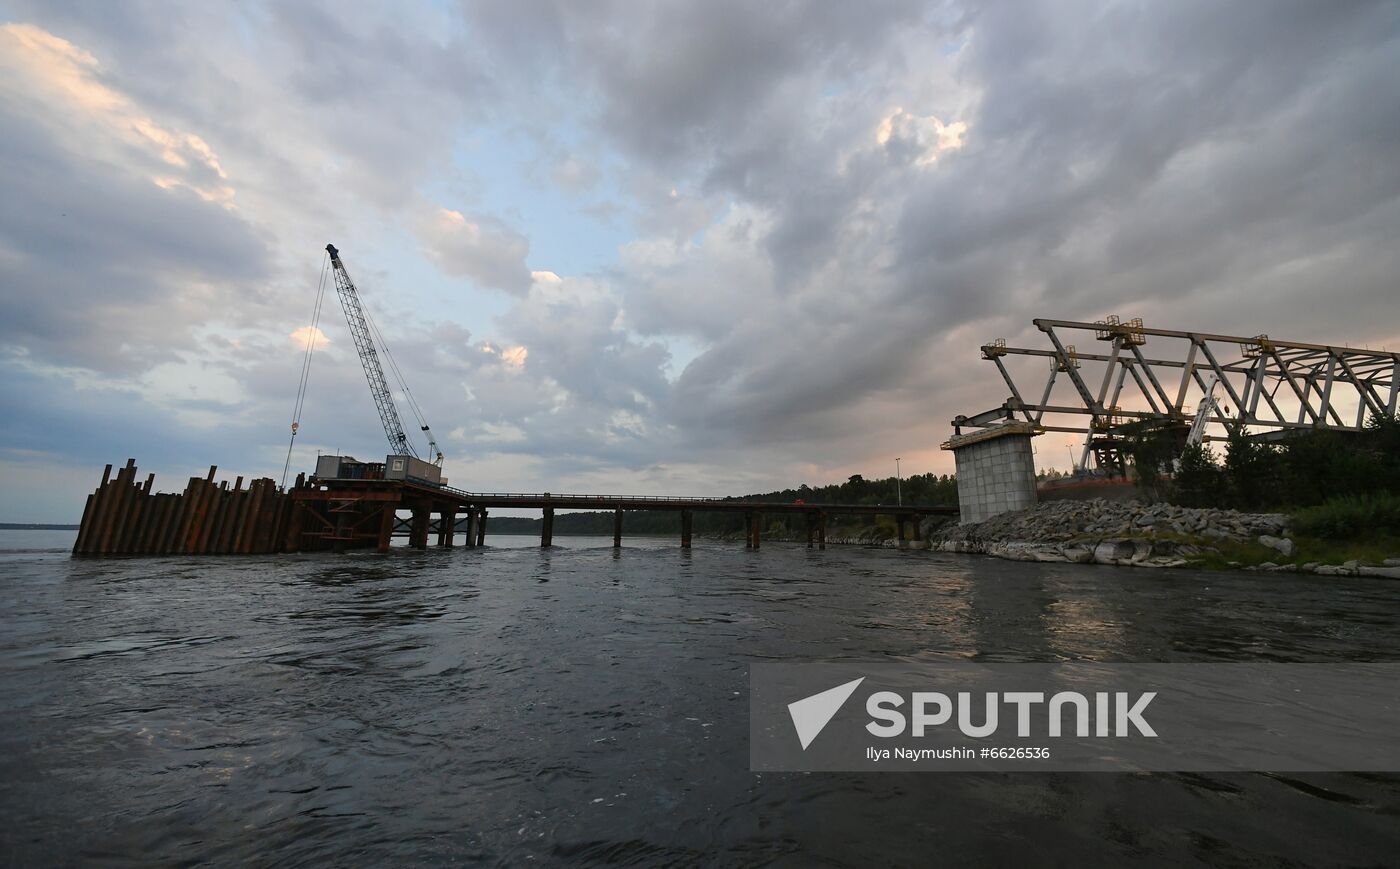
(311,336)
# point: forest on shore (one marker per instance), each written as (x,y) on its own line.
(1336,485)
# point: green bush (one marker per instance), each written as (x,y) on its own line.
(1253,470)
(1350,517)
(1199,481)
(1150,446)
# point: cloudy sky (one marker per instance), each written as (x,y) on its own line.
(691,248)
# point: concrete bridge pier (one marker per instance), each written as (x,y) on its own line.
(481,528)
(547,532)
(686,521)
(996,470)
(617,528)
(755,529)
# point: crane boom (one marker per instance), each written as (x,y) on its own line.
(369,357)
(1206,407)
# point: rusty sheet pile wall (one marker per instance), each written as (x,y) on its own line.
(124,517)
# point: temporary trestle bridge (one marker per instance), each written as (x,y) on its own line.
(344,514)
(126,517)
(1264,386)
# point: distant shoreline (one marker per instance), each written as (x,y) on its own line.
(35,526)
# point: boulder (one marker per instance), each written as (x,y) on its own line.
(1142,550)
(1386,572)
(1112,551)
(1285,547)
(1078,554)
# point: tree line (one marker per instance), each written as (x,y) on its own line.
(1304,470)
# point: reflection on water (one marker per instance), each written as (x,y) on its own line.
(577,705)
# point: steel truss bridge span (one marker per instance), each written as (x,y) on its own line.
(1266,386)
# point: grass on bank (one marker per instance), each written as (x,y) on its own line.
(1351,518)
(1233,554)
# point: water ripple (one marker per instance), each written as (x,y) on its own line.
(511,705)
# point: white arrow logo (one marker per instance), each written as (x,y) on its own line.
(811,714)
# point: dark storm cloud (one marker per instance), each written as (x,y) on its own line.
(1197,150)
(677,82)
(1115,156)
(832,204)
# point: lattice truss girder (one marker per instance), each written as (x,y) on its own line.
(1269,386)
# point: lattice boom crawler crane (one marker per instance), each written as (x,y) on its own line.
(363,333)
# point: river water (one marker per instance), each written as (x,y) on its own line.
(512,705)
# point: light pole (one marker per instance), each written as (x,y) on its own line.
(898,485)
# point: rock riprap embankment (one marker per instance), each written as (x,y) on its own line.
(1131,533)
